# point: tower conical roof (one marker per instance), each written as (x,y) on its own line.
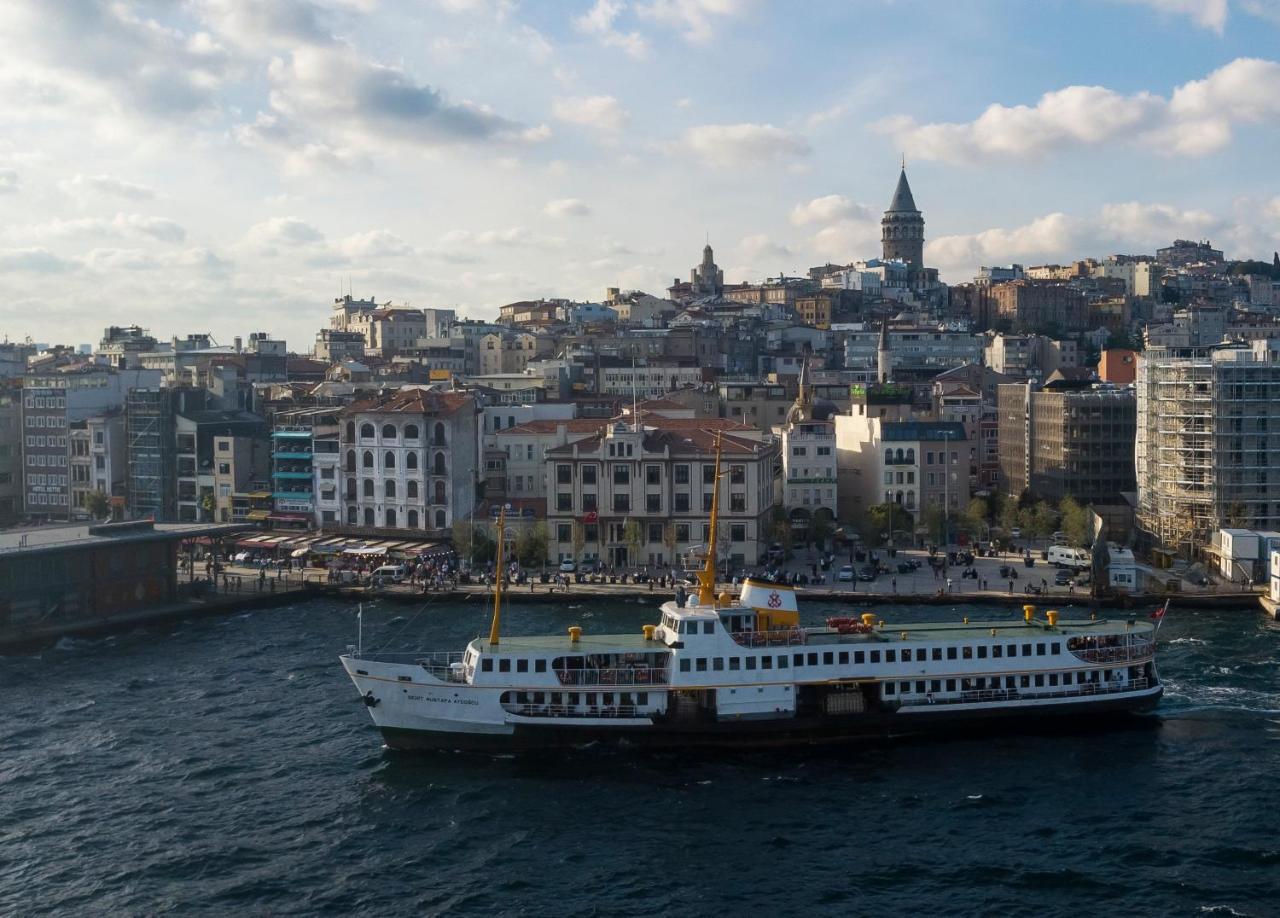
(902,199)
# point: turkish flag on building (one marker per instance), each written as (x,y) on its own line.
(591,517)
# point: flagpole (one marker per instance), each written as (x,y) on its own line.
(360,630)
(1160,621)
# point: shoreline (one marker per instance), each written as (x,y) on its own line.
(233,602)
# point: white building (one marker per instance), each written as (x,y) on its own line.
(808,458)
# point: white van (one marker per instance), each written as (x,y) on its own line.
(393,572)
(1066,556)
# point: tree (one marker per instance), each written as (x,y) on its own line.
(1042,520)
(1010,517)
(780,529)
(531,545)
(98,504)
(578,539)
(1076,527)
(633,538)
(888,521)
(208,504)
(934,521)
(472,542)
(821,525)
(669,542)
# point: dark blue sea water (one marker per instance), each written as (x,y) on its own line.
(226,767)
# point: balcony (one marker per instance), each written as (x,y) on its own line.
(299,476)
(292,454)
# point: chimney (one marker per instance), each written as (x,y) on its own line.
(239,344)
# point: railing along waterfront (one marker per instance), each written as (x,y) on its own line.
(565,710)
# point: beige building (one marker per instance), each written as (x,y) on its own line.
(512,353)
(661,481)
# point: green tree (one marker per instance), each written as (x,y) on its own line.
(578,540)
(889,521)
(208,504)
(669,542)
(1042,520)
(1076,524)
(821,525)
(472,542)
(531,545)
(633,538)
(934,521)
(780,529)
(1009,515)
(98,504)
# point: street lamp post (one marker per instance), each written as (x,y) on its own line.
(946,489)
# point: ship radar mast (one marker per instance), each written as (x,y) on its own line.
(495,626)
(707,576)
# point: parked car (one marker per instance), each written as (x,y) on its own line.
(393,572)
(904,567)
(1062,577)
(1015,533)
(868,573)
(567,566)
(846,574)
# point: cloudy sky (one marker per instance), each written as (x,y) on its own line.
(233,165)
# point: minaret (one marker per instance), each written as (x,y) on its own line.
(902,227)
(884,359)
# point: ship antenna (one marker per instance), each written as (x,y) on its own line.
(707,576)
(495,627)
(360,631)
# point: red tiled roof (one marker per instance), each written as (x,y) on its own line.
(413,401)
(589,425)
(678,442)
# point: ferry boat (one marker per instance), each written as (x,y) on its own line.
(741,671)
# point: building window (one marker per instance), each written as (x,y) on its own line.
(682,503)
(564,474)
(682,474)
(653,503)
(564,532)
(737,533)
(621,474)
(622,503)
(653,474)
(367,459)
(564,503)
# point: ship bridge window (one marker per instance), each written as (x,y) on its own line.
(1013,650)
(734,663)
(937,653)
(951,653)
(859,657)
(751,662)
(684,665)
(522,666)
(718,664)
(539,666)
(890,688)
(982,651)
(844,658)
(1039,650)
(1026,650)
(997,650)
(767,662)
(504,666)
(828,658)
(797,659)
(782,661)
(702,664)
(890,656)
(875,656)
(1056,648)
(708,627)
(951,685)
(813,659)
(486,665)
(968,652)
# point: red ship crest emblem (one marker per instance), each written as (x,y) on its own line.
(775,601)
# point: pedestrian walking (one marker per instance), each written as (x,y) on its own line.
(894,581)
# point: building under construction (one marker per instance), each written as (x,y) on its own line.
(1208,443)
(149,446)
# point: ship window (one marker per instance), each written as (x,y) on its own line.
(1013,650)
(813,659)
(718,664)
(890,688)
(937,653)
(782,661)
(982,651)
(591,698)
(1026,650)
(951,653)
(642,697)
(702,664)
(828,658)
(1025,681)
(920,688)
(968,652)
(890,656)
(734,663)
(486,665)
(521,697)
(1039,680)
(684,666)
(573,698)
(875,656)
(951,685)
(708,627)
(1053,678)
(997,650)
(1008,681)
(522,666)
(607,697)
(905,688)
(766,662)
(797,659)
(504,666)
(859,657)
(1039,650)
(844,658)
(1056,648)
(539,666)
(557,698)
(539,697)
(751,662)
(980,683)
(935,685)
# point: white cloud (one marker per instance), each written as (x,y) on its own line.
(761,246)
(567,207)
(1197,118)
(829,208)
(10,182)
(512,236)
(109,260)
(290,231)
(33,261)
(1209,14)
(108,186)
(120,225)
(601,113)
(598,22)
(736,144)
(374,244)
(696,20)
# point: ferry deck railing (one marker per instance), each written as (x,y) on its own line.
(1121,653)
(564,710)
(1089,688)
(778,637)
(625,675)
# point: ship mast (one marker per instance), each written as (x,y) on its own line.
(707,576)
(495,627)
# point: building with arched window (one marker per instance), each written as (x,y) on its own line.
(418,452)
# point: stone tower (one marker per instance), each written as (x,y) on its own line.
(707,279)
(902,227)
(884,357)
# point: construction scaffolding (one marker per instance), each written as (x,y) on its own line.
(1208,438)
(149,442)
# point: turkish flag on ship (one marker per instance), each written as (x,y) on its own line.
(1159,613)
(591,517)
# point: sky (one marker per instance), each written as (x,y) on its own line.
(229,166)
